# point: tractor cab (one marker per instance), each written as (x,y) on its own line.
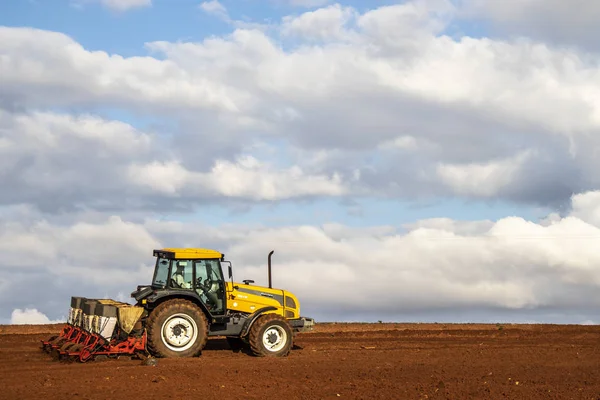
(195,271)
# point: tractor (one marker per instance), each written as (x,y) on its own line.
(187,301)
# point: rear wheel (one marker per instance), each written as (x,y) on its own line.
(271,336)
(177,328)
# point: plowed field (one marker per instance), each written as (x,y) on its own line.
(352,361)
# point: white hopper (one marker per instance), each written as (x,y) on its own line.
(76,312)
(106,320)
(89,306)
(127,314)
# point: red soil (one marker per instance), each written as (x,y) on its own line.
(353,361)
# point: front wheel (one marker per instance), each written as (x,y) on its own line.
(177,328)
(271,336)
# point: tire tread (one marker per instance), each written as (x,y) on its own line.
(255,337)
(172,307)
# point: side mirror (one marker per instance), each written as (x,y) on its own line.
(230,271)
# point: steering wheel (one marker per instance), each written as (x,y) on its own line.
(206,285)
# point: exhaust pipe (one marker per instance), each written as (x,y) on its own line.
(270,254)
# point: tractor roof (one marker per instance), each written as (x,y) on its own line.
(187,253)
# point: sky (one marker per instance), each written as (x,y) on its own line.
(413,161)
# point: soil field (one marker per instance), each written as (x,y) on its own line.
(336,361)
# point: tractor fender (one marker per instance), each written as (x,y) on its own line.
(163,296)
(253,317)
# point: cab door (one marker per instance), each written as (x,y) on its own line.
(209,285)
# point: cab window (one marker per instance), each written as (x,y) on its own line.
(161,272)
(182,274)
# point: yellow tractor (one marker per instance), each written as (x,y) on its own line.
(187,301)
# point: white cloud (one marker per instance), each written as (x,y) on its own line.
(43,62)
(458,105)
(465,228)
(480,72)
(403,26)
(484,180)
(467,103)
(86,161)
(322,24)
(447,93)
(586,206)
(215,8)
(59,161)
(246,178)
(405,142)
(511,263)
(31,317)
(567,22)
(167,178)
(45,130)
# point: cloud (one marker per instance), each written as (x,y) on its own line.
(407,85)
(586,206)
(485,180)
(570,23)
(399,26)
(215,8)
(31,317)
(247,178)
(322,24)
(91,78)
(60,162)
(464,103)
(463,228)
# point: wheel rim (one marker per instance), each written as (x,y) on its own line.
(274,338)
(179,332)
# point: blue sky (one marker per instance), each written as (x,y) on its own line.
(99,28)
(468,128)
